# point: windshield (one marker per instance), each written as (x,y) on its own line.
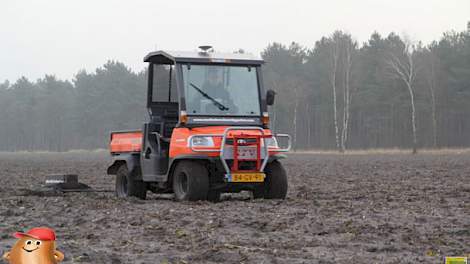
(221,90)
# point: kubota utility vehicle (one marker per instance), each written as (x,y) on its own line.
(207,131)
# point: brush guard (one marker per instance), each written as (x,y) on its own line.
(241,141)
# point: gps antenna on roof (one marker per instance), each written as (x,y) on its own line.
(206,49)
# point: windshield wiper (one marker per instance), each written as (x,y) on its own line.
(216,103)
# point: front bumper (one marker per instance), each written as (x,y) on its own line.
(236,151)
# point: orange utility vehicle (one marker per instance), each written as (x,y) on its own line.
(207,131)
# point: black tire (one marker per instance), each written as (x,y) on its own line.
(127,185)
(213,196)
(258,192)
(275,184)
(190,181)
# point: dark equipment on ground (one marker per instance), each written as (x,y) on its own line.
(66,183)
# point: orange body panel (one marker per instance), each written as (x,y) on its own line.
(126,142)
(179,139)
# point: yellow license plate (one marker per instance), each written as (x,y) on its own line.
(456,260)
(247,177)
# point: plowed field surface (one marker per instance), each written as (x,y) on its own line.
(367,208)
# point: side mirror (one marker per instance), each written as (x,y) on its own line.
(270,94)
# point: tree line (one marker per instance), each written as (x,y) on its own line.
(389,92)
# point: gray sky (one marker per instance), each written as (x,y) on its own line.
(62,36)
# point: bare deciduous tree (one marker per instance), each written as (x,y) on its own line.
(334,55)
(309,118)
(402,64)
(349,46)
(296,100)
(341,49)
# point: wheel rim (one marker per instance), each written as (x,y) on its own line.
(124,185)
(183,183)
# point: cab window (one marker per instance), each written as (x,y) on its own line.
(164,84)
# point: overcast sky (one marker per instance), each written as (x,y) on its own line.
(63,36)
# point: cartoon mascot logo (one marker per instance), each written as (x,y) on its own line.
(37,246)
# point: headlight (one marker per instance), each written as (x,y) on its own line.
(202,142)
(271,142)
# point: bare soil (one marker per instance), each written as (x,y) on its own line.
(377,208)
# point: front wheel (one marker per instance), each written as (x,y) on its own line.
(190,181)
(275,185)
(127,185)
(214,196)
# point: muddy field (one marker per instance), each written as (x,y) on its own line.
(340,209)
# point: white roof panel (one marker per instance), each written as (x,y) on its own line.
(209,57)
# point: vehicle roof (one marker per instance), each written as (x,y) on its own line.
(170,57)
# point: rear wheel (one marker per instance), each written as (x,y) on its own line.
(127,185)
(190,181)
(275,184)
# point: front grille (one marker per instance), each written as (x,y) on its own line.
(250,141)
